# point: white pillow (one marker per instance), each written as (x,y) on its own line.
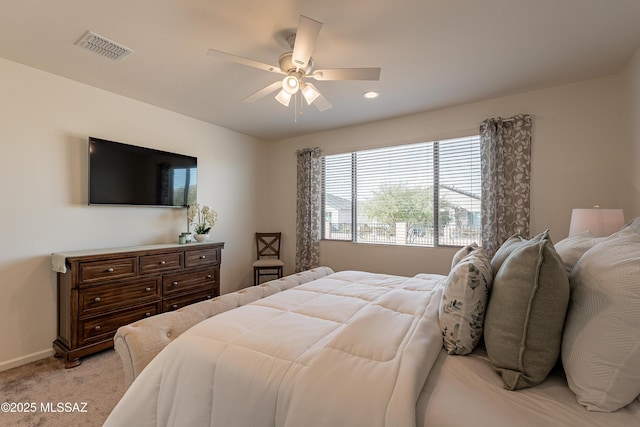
(572,248)
(601,340)
(464,302)
(634,223)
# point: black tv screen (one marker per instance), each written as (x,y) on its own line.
(123,174)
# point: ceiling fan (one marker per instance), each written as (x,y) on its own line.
(297,66)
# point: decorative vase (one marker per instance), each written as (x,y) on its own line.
(201,237)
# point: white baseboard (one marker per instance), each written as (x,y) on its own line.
(23,360)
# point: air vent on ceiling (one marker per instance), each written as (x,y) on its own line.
(103,46)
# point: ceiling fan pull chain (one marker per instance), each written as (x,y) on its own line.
(301,105)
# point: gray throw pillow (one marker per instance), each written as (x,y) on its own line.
(526,313)
(511,244)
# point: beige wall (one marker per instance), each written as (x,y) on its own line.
(631,115)
(44,125)
(577,152)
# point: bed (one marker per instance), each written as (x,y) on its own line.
(364,349)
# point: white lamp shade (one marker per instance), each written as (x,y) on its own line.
(290,84)
(310,93)
(600,222)
(283,97)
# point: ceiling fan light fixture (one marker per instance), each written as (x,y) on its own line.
(290,84)
(309,93)
(296,66)
(283,97)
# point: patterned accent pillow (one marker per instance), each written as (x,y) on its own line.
(464,301)
(601,340)
(526,313)
(463,252)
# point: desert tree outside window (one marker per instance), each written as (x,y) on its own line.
(425,194)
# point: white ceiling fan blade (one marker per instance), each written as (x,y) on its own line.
(320,102)
(306,36)
(347,74)
(244,61)
(264,92)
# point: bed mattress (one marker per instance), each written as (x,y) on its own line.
(466,390)
(349,349)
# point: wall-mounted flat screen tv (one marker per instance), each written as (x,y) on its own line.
(123,174)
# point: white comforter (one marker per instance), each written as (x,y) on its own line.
(349,349)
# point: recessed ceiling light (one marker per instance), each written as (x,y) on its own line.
(370,95)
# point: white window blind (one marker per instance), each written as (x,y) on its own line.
(419,194)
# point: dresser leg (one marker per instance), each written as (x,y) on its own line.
(61,352)
(72,363)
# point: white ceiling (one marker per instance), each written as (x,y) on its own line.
(433,53)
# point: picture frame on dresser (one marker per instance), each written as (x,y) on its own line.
(102,290)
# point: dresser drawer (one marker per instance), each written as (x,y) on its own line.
(96,271)
(177,283)
(159,263)
(201,257)
(104,327)
(105,289)
(180,301)
(109,297)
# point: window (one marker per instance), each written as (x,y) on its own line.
(184,183)
(424,194)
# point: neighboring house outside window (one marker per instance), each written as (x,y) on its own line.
(425,194)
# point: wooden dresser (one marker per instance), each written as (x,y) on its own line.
(104,289)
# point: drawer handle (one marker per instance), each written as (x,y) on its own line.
(209,276)
(174,283)
(110,270)
(163,262)
(174,306)
(97,328)
(208,296)
(148,289)
(147,314)
(97,299)
(203,257)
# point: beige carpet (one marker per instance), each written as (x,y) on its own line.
(55,396)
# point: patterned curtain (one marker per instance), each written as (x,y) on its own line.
(506,169)
(308,209)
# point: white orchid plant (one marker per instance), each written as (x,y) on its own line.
(202,218)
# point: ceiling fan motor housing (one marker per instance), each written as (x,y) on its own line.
(286,64)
